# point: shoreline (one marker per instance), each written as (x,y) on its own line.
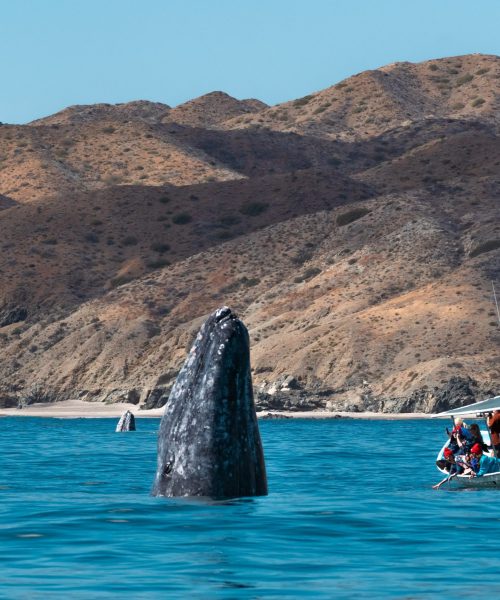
(78,409)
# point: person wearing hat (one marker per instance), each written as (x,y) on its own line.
(449,464)
(487,464)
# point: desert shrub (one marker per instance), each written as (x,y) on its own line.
(311,272)
(158,263)
(464,79)
(120,280)
(50,241)
(91,237)
(433,67)
(482,71)
(303,101)
(253,209)
(160,247)
(351,216)
(164,199)
(238,283)
(487,246)
(458,106)
(129,240)
(301,257)
(250,282)
(228,220)
(112,179)
(224,235)
(182,218)
(477,102)
(109,129)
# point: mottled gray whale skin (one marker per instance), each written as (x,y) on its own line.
(209,442)
(126,422)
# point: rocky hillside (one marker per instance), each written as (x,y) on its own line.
(212,109)
(373,102)
(356,232)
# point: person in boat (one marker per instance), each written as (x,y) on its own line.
(494,425)
(487,464)
(452,465)
(448,462)
(455,465)
(477,438)
(460,436)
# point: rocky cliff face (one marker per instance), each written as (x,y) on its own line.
(355,231)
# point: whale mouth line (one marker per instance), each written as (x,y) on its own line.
(223,313)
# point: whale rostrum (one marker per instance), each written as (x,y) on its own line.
(209,442)
(126,422)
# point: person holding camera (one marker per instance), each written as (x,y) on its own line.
(494,425)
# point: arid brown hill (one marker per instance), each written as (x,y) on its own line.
(356,231)
(372,102)
(212,109)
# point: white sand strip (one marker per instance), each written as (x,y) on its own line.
(72,409)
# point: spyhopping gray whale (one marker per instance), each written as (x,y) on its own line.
(209,442)
(126,422)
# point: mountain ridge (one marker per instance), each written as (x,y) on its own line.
(357,240)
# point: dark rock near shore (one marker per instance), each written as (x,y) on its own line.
(156,398)
(274,416)
(38,395)
(130,396)
(8,401)
(458,391)
(290,401)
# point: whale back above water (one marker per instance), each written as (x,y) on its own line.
(209,442)
(126,422)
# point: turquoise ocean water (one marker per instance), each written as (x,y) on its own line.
(350,514)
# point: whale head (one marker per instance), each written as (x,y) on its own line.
(209,442)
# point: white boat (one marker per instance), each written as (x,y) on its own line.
(478,410)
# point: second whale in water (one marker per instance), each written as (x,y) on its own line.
(209,442)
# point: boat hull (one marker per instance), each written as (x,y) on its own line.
(491,480)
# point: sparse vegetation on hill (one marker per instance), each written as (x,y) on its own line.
(356,230)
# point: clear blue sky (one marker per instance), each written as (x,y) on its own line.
(60,52)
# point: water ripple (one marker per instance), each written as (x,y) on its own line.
(348,515)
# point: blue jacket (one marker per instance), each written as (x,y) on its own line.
(488,464)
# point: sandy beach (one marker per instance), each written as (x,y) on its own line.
(78,409)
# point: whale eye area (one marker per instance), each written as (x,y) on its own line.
(167,469)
